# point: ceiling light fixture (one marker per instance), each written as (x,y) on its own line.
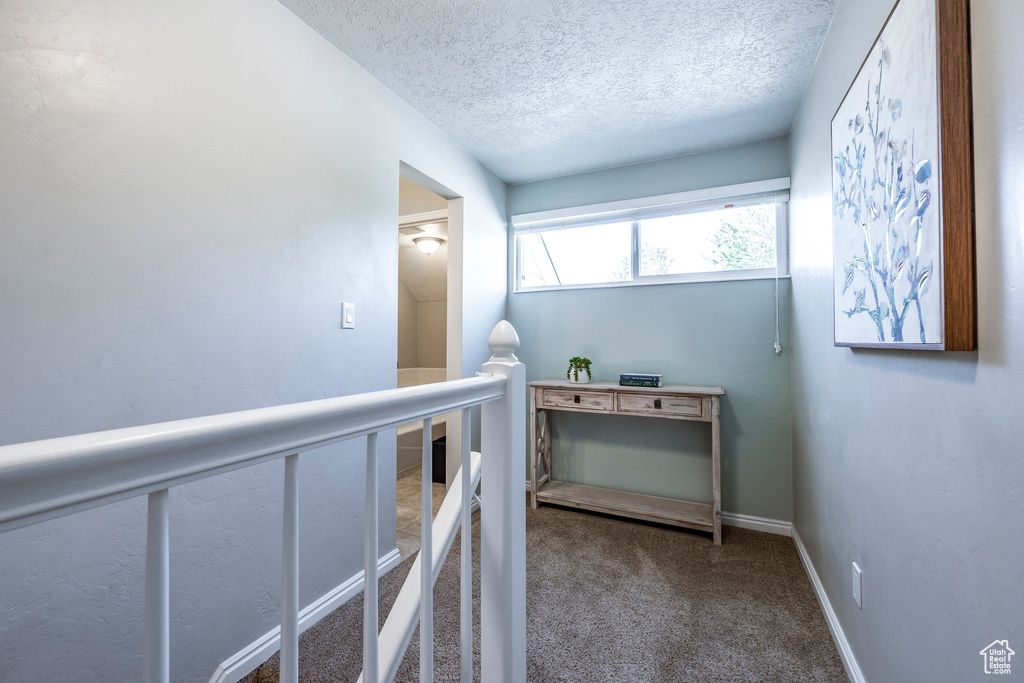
(428,244)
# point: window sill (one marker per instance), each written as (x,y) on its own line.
(660,280)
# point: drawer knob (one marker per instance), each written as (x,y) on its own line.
(576,398)
(657,403)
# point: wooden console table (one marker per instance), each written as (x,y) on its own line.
(674,402)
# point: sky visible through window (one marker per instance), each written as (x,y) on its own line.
(577,256)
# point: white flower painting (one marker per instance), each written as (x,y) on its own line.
(886,217)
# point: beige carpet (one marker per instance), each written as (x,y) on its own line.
(614,600)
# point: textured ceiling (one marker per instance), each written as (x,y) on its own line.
(538,88)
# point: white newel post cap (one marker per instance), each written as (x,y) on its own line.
(503,342)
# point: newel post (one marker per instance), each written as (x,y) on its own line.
(503,517)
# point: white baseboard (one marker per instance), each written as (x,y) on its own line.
(842,644)
(772,526)
(238,665)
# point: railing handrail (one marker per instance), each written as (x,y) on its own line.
(42,480)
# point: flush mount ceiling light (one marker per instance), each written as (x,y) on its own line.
(428,244)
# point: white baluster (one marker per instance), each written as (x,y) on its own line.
(370,660)
(290,573)
(466,660)
(503,518)
(426,560)
(156,629)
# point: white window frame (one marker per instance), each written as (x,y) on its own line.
(634,211)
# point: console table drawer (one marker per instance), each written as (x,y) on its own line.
(653,404)
(586,400)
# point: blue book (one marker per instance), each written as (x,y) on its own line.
(640,377)
(634,379)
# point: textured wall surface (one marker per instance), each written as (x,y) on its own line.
(432,328)
(909,463)
(425,275)
(408,343)
(537,89)
(188,192)
(697,333)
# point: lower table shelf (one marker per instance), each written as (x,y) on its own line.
(633,505)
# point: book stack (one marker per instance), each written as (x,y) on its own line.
(642,379)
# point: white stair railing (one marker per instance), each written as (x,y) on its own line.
(404,615)
(47,479)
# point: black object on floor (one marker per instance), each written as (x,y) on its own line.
(437,456)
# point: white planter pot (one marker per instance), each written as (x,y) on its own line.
(584,377)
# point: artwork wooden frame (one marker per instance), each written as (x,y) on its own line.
(903,187)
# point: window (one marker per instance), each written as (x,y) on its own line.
(724,234)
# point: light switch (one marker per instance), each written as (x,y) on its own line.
(348,315)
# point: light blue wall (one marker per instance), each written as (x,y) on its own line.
(700,333)
(744,164)
(910,463)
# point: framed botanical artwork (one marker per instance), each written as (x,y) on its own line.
(902,187)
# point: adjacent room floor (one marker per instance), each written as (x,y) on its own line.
(616,600)
(408,509)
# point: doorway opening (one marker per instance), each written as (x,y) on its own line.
(424,355)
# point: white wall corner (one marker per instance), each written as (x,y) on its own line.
(842,644)
(238,665)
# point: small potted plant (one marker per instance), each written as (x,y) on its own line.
(579,370)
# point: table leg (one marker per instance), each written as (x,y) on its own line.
(533,447)
(546,445)
(716,465)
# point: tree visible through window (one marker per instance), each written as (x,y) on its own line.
(746,242)
(653,262)
(737,238)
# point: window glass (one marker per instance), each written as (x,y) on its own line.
(729,237)
(725,239)
(576,256)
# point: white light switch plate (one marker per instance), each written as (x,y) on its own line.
(348,315)
(858,584)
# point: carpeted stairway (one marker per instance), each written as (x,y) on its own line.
(614,600)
